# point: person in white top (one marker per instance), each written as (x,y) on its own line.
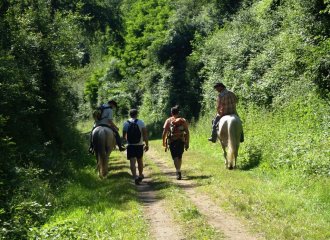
(107,121)
(136,135)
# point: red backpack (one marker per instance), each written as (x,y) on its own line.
(177,129)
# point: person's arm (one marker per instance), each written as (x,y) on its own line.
(165,131)
(164,137)
(124,132)
(145,138)
(187,136)
(113,125)
(220,106)
(110,121)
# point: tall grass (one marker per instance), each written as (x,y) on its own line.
(281,186)
(294,137)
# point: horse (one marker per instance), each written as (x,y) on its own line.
(104,142)
(229,134)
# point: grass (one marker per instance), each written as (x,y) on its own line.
(279,204)
(280,189)
(184,212)
(281,186)
(90,208)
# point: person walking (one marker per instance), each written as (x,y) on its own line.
(226,105)
(136,135)
(176,137)
(106,119)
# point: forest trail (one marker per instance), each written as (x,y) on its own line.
(161,224)
(222,221)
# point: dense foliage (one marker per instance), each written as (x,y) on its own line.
(41,44)
(275,54)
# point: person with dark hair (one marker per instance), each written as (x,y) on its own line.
(106,119)
(226,105)
(176,137)
(135,133)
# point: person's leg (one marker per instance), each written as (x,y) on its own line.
(139,155)
(215,121)
(118,141)
(133,166)
(177,164)
(132,158)
(140,168)
(176,149)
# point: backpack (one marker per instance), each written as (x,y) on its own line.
(133,132)
(97,114)
(177,129)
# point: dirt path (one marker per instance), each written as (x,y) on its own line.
(161,224)
(230,226)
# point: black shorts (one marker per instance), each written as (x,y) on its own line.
(134,151)
(177,148)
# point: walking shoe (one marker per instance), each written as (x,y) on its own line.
(178,175)
(137,182)
(140,178)
(211,139)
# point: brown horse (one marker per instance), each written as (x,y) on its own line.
(229,134)
(104,142)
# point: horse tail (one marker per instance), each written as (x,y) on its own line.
(99,142)
(231,147)
(234,131)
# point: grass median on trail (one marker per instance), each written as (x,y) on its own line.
(192,223)
(280,203)
(91,208)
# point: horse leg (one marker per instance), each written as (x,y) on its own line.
(107,155)
(99,165)
(102,165)
(230,158)
(105,165)
(225,155)
(235,156)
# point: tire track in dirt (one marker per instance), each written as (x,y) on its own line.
(222,221)
(162,227)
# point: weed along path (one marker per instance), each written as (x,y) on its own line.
(228,225)
(161,223)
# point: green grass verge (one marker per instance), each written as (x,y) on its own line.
(279,203)
(184,212)
(90,208)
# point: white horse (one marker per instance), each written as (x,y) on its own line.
(104,142)
(229,134)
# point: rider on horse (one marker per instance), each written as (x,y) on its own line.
(226,105)
(106,120)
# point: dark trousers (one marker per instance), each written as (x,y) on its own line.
(215,122)
(215,126)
